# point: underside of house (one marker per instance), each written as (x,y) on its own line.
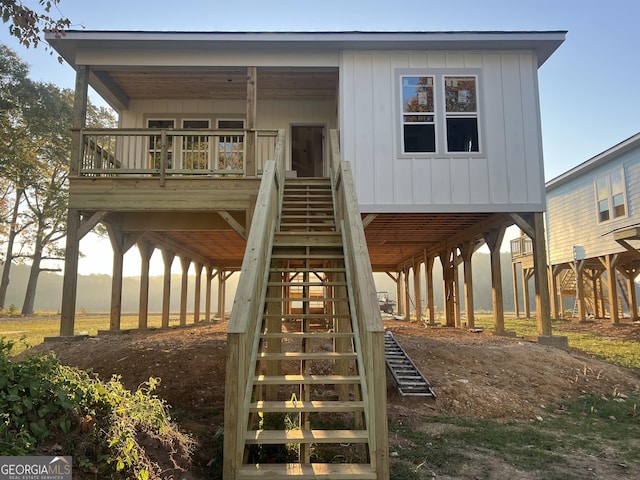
(245,167)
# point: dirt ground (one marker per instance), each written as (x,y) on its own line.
(473,375)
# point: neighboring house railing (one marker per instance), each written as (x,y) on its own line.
(521,247)
(159,152)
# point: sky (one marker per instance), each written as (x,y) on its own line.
(583,112)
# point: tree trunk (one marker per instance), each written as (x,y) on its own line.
(13,233)
(30,294)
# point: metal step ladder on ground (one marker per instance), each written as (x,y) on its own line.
(407,378)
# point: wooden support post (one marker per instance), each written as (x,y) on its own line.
(185,263)
(416,291)
(578,269)
(631,274)
(400,288)
(197,294)
(207,303)
(250,140)
(466,251)
(540,278)
(553,275)
(167,256)
(516,301)
(222,287)
(70,281)
(72,252)
(610,261)
(448,288)
(525,293)
(117,238)
(80,101)
(428,277)
(407,295)
(493,240)
(456,288)
(146,251)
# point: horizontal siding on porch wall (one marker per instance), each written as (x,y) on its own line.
(510,169)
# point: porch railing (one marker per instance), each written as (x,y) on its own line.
(160,152)
(521,247)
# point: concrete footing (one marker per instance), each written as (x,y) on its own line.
(557,341)
(65,338)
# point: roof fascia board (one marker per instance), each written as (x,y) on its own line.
(544,43)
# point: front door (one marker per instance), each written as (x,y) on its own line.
(306,151)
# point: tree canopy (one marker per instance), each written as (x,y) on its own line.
(27,24)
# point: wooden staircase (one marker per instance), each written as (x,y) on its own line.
(307,416)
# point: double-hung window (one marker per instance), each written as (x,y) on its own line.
(195,148)
(231,147)
(610,196)
(155,143)
(440,113)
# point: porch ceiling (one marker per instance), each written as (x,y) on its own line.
(396,239)
(393,240)
(216,84)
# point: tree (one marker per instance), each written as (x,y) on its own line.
(15,154)
(49,116)
(27,24)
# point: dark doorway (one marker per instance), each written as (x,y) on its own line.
(307,151)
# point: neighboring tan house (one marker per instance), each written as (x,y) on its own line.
(593,229)
(307,160)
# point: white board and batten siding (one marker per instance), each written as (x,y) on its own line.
(506,176)
(572,213)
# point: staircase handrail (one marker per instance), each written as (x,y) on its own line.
(367,313)
(244,324)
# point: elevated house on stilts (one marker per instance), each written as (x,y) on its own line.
(593,237)
(307,161)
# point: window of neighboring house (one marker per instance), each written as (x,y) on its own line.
(155,143)
(231,147)
(195,148)
(610,196)
(439,114)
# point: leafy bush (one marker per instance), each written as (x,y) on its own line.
(48,408)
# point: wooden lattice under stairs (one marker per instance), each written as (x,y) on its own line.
(306,418)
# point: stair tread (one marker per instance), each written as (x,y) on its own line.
(317,283)
(306,436)
(306,379)
(309,406)
(318,316)
(307,269)
(309,471)
(306,335)
(307,299)
(306,355)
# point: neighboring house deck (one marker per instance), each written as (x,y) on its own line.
(429,144)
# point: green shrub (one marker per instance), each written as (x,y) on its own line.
(48,408)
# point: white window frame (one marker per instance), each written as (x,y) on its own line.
(218,141)
(171,149)
(440,114)
(183,151)
(610,196)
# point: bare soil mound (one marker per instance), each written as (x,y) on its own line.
(473,374)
